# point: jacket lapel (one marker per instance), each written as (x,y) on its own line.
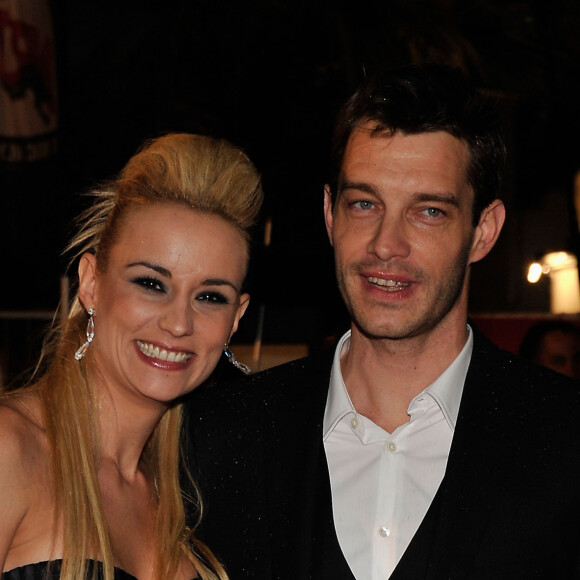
(460,510)
(308,546)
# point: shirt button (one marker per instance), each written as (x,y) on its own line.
(354,422)
(391,447)
(384,532)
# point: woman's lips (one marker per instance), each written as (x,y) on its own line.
(156,352)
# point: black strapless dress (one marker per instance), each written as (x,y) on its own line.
(40,571)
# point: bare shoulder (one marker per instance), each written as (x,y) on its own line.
(21,423)
(23,461)
(23,450)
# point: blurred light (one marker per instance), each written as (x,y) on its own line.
(562,267)
(559,260)
(534,272)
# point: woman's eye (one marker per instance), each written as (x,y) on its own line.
(213,298)
(149,283)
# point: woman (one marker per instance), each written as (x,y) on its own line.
(89,454)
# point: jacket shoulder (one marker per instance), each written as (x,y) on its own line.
(303,381)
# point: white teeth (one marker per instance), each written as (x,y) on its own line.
(391,284)
(161,354)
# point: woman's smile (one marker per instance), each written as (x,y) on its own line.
(163,354)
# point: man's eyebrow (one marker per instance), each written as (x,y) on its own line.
(358,186)
(448,198)
(159,269)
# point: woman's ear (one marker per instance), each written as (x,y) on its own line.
(88,281)
(242,307)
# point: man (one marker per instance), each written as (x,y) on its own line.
(417,449)
(554,344)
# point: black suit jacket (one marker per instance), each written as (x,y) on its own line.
(507,508)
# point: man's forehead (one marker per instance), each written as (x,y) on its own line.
(425,147)
(438,154)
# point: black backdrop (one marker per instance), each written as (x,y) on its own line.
(269,75)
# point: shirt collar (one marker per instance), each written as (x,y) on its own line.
(446,390)
(448,387)
(338,403)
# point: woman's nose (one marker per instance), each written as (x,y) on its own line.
(178,319)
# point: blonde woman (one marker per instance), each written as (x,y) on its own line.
(89,454)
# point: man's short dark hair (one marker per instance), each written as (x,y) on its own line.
(426,99)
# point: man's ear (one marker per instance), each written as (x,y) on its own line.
(88,280)
(328,211)
(487,230)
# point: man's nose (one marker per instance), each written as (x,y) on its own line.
(390,239)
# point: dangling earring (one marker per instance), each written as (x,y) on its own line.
(232,358)
(90,335)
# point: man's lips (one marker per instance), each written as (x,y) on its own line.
(388,284)
(156,352)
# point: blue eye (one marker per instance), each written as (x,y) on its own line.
(149,283)
(433,212)
(363,204)
(212,298)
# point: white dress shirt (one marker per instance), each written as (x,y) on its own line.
(383,483)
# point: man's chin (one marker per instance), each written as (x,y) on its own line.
(375,330)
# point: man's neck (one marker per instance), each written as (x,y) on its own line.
(383,376)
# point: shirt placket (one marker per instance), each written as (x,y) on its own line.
(385,530)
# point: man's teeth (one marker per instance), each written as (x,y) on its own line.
(161,354)
(389,284)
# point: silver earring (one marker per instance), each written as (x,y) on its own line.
(232,358)
(90,335)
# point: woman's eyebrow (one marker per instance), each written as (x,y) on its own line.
(159,269)
(219,282)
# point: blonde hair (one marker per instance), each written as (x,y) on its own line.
(207,175)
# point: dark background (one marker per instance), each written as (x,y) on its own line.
(269,75)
